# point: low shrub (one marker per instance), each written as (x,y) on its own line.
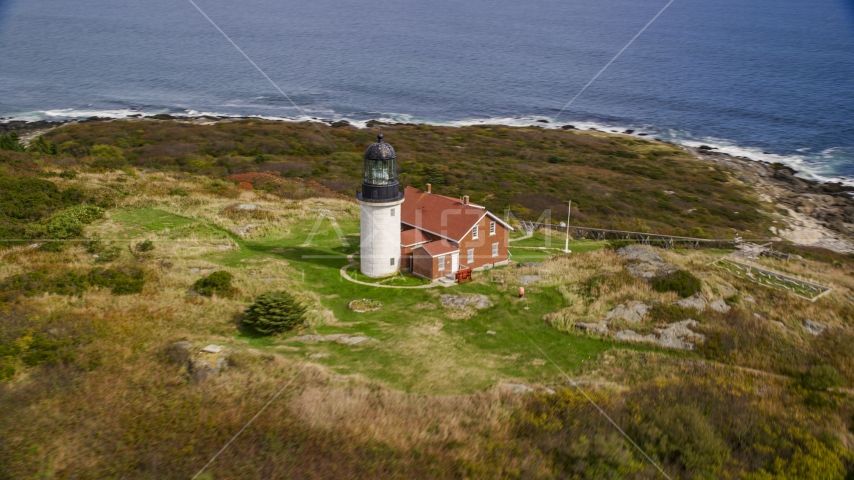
(682,282)
(274,312)
(66,224)
(124,281)
(618,244)
(145,246)
(179,192)
(822,378)
(217,283)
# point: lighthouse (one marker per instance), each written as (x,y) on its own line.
(380,201)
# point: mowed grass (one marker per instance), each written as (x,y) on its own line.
(420,345)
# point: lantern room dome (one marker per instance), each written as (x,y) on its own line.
(380,150)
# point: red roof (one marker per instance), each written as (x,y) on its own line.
(412,237)
(440,215)
(439,247)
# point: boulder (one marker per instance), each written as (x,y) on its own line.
(207,363)
(814,328)
(632,312)
(694,301)
(720,306)
(529,279)
(518,387)
(600,328)
(646,262)
(463,301)
(676,335)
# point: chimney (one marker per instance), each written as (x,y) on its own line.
(429,188)
(465,199)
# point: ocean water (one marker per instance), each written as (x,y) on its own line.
(768,79)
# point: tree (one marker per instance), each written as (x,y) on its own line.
(274,312)
(11,142)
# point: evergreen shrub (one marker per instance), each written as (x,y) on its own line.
(682,282)
(274,312)
(218,283)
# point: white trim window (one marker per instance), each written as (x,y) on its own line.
(492,228)
(441,263)
(494,249)
(470,256)
(474,232)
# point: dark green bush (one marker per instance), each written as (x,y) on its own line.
(68,174)
(682,282)
(218,283)
(274,312)
(11,142)
(179,192)
(126,281)
(145,246)
(120,282)
(821,378)
(66,224)
(40,145)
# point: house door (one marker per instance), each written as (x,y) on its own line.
(455,262)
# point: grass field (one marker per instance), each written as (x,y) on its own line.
(91,389)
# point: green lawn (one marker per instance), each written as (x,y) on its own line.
(421,346)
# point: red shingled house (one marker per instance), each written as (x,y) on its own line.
(441,235)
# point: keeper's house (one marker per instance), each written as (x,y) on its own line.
(441,235)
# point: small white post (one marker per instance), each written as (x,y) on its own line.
(568,214)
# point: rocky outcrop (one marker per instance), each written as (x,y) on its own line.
(720,306)
(645,263)
(814,328)
(208,362)
(463,301)
(675,335)
(632,312)
(600,328)
(695,301)
(342,338)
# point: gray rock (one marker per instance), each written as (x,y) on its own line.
(518,387)
(600,328)
(462,301)
(529,279)
(694,301)
(248,206)
(779,325)
(490,332)
(309,338)
(813,327)
(720,306)
(212,349)
(356,340)
(529,265)
(207,364)
(632,311)
(676,335)
(749,299)
(641,253)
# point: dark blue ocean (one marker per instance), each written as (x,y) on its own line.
(773,76)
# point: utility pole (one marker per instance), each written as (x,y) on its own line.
(568,214)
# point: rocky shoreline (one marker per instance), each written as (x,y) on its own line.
(816,214)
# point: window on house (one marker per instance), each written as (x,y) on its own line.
(492,228)
(392,261)
(474,233)
(392,212)
(494,249)
(471,255)
(441,263)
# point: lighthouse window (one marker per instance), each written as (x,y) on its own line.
(392,212)
(392,262)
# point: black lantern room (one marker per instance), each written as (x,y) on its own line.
(379,180)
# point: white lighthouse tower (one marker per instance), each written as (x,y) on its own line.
(380,201)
